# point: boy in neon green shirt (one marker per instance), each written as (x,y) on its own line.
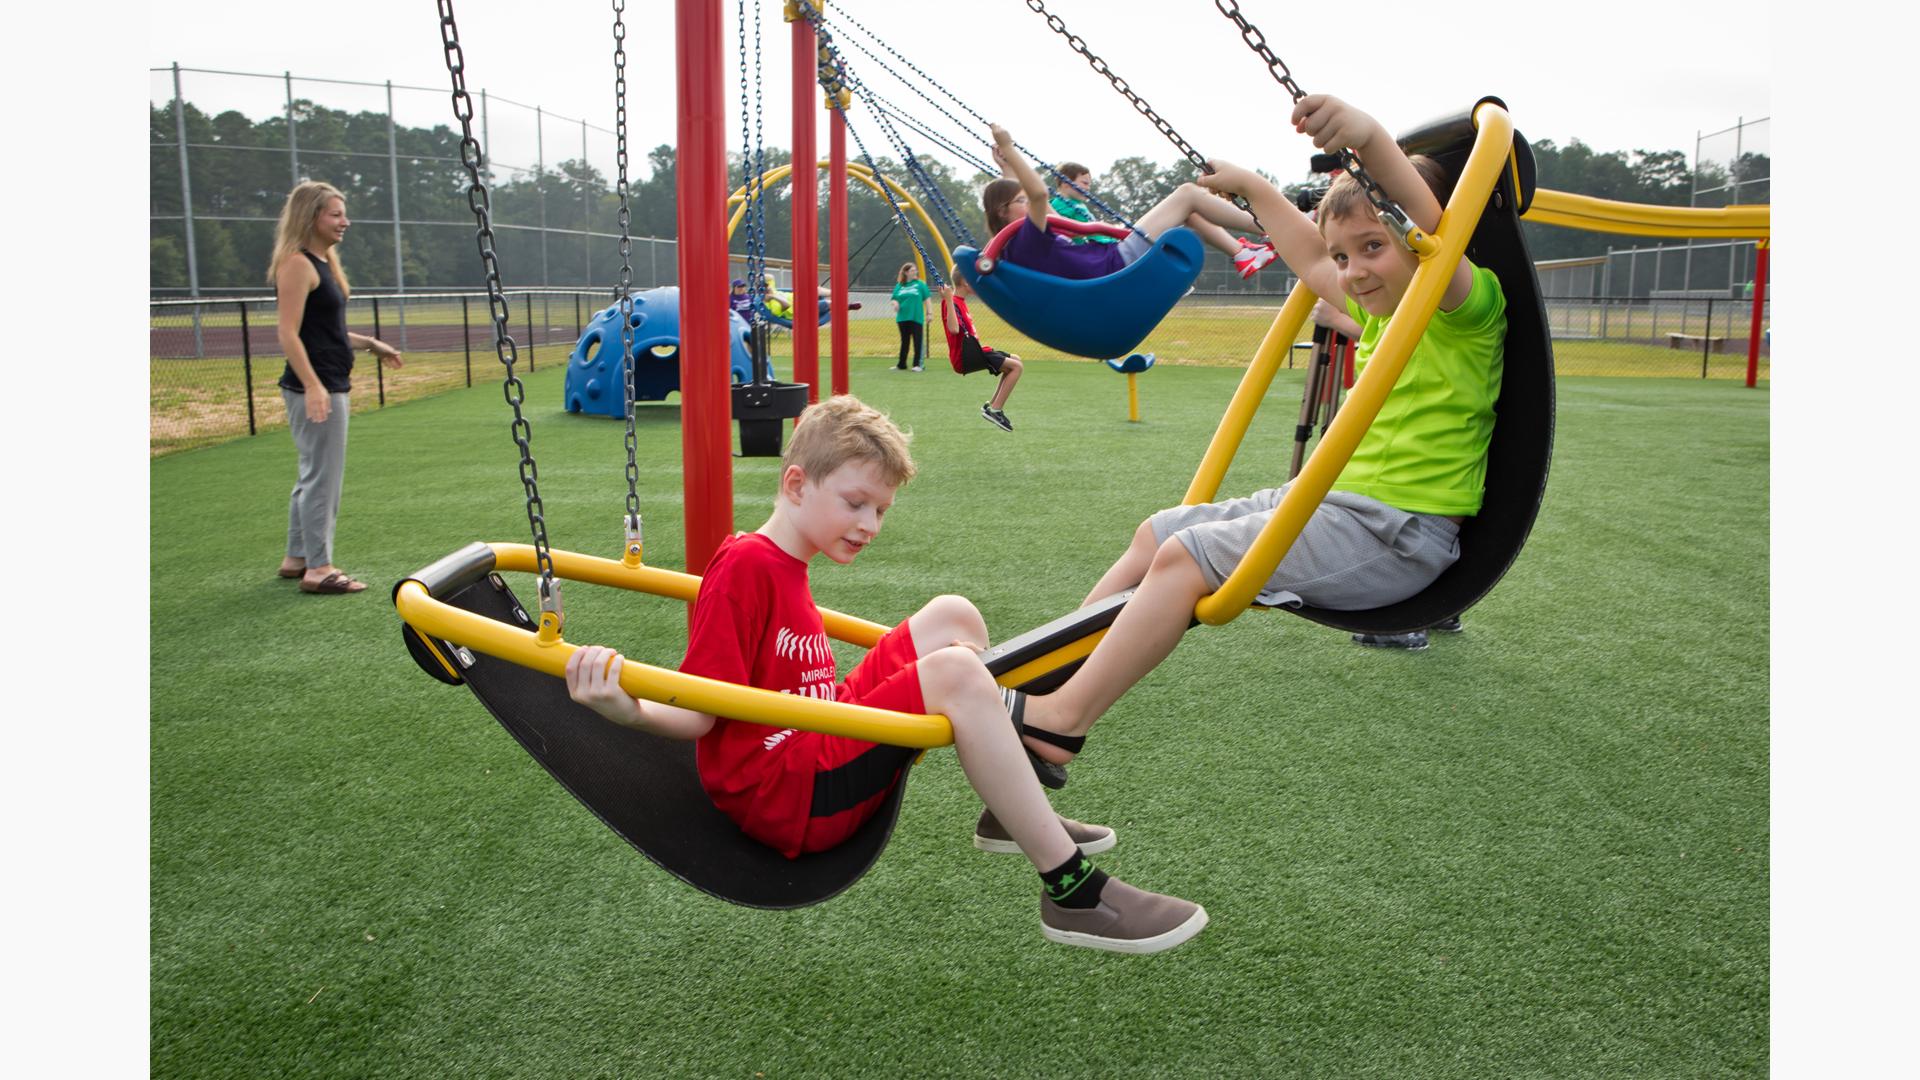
(1390,525)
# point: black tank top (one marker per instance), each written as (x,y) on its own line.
(323,330)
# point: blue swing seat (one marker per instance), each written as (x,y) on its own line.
(784,322)
(1099,317)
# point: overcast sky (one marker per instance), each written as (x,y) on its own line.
(1645,75)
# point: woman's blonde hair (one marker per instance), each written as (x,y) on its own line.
(901,279)
(304,204)
(842,429)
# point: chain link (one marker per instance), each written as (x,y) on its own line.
(625,292)
(1390,212)
(480,202)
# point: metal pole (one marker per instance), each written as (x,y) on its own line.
(246,366)
(837,247)
(393,181)
(1606,290)
(586,217)
(706,405)
(486,143)
(530,332)
(379,377)
(186,209)
(293,139)
(805,207)
(466,341)
(1706,337)
(540,187)
(578,327)
(1759,304)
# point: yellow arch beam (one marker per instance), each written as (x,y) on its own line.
(1638,219)
(866,176)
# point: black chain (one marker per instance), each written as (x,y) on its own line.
(482,206)
(1139,103)
(1390,211)
(625,293)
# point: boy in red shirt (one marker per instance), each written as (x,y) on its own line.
(968,355)
(755,623)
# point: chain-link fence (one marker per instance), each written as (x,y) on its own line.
(215,364)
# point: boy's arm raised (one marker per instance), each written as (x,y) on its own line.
(1295,239)
(1334,124)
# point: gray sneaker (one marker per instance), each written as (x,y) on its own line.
(990,835)
(996,418)
(1126,920)
(1412,642)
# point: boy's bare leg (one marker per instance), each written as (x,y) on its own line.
(1009,374)
(1190,200)
(1130,568)
(954,682)
(1146,632)
(1215,236)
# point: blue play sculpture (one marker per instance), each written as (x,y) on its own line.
(595,380)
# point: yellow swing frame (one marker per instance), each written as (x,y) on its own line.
(547,652)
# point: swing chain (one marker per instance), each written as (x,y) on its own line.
(625,294)
(1391,215)
(1139,103)
(480,202)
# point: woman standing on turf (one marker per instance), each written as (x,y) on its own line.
(910,296)
(312,290)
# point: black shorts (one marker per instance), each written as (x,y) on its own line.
(973,357)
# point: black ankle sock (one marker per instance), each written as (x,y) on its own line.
(1075,883)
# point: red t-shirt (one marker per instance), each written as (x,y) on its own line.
(954,341)
(755,624)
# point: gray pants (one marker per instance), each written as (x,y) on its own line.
(1354,553)
(323,464)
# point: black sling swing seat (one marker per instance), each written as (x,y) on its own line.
(642,786)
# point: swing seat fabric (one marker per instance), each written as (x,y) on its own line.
(642,786)
(1098,318)
(1521,453)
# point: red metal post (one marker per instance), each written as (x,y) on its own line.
(806,223)
(706,402)
(1759,304)
(837,243)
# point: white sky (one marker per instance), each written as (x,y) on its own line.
(1604,80)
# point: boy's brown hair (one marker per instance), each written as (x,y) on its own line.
(841,429)
(1071,169)
(1345,197)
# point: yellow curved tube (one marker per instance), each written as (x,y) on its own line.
(517,646)
(1639,219)
(860,172)
(1492,145)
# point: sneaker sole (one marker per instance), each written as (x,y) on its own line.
(1137,946)
(1008,847)
(1388,645)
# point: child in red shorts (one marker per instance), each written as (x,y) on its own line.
(968,355)
(755,623)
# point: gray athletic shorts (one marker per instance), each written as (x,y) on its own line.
(1135,245)
(1354,553)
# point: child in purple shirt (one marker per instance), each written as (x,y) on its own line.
(1037,247)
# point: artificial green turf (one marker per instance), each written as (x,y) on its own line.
(1539,848)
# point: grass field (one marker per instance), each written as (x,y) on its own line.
(1540,848)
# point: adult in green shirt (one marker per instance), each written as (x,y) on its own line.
(910,296)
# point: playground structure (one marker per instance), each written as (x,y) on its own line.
(595,375)
(459,606)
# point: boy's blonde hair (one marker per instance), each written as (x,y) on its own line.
(842,429)
(1345,197)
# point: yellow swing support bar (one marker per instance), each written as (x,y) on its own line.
(1492,149)
(435,619)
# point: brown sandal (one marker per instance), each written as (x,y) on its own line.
(335,582)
